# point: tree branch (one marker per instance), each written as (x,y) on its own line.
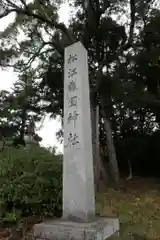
(29,13)
(131,31)
(6,13)
(52,24)
(28,64)
(132,24)
(11,4)
(53,43)
(23,2)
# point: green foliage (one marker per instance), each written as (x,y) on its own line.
(128,50)
(20,106)
(30,183)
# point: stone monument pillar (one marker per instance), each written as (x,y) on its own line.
(78,221)
(78,180)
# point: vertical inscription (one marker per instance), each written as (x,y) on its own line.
(72,58)
(72,85)
(72,115)
(72,102)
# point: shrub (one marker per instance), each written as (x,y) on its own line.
(30,182)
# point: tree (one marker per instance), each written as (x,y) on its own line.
(20,107)
(7,126)
(111,55)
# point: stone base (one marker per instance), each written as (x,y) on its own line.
(99,229)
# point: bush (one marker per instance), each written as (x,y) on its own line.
(30,182)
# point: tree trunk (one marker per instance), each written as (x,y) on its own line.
(130,176)
(111,151)
(98,165)
(99,169)
(23,116)
(93,114)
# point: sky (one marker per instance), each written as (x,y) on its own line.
(8,77)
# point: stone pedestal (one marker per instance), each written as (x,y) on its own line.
(99,229)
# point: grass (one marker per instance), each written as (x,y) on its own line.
(137,204)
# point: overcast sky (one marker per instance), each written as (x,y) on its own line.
(50,127)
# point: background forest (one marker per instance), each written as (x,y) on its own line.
(123,42)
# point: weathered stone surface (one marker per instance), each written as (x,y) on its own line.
(78,221)
(78,182)
(100,229)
